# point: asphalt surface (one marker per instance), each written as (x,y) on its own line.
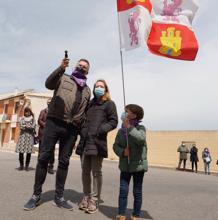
(167,194)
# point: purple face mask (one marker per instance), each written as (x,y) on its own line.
(79,77)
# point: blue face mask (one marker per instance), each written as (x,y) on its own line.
(99,91)
(123,116)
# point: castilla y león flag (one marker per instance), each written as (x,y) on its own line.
(171,33)
(134,22)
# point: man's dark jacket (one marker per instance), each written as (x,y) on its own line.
(69,100)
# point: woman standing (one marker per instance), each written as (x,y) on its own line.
(101,117)
(26,139)
(194,158)
(207,159)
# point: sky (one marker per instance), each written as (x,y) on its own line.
(175,95)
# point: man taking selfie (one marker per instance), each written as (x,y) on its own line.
(64,118)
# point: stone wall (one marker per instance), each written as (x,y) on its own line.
(162,147)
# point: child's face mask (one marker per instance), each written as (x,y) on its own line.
(123,116)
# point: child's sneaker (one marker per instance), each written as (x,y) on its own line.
(83,205)
(135,218)
(120,217)
(92,206)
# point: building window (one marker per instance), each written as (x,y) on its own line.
(6,109)
(13,132)
(3,137)
(16,107)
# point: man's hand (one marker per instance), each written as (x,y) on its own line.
(65,63)
(126,152)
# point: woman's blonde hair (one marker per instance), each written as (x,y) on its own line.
(106,95)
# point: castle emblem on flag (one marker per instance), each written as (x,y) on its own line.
(134,21)
(131,1)
(171,42)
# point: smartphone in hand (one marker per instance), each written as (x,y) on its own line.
(65,61)
(66,54)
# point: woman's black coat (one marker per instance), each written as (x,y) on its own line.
(101,117)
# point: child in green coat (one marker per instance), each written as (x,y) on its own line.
(131,148)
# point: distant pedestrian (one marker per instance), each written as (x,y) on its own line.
(26,139)
(41,123)
(131,148)
(194,157)
(207,160)
(183,151)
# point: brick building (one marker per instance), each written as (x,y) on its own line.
(11,109)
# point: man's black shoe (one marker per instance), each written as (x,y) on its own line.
(20,168)
(61,203)
(32,203)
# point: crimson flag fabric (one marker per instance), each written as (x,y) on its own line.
(171,34)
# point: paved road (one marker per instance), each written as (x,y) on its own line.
(168,194)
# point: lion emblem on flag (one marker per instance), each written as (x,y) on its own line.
(171,9)
(134,22)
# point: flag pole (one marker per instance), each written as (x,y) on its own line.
(123,81)
(121,60)
(123,78)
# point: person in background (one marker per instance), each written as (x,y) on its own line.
(101,117)
(131,148)
(207,160)
(194,157)
(183,151)
(41,123)
(65,116)
(26,139)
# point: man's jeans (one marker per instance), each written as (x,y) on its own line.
(137,192)
(180,162)
(194,163)
(54,131)
(52,159)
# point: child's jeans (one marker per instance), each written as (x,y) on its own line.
(137,192)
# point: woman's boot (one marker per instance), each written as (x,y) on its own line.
(21,161)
